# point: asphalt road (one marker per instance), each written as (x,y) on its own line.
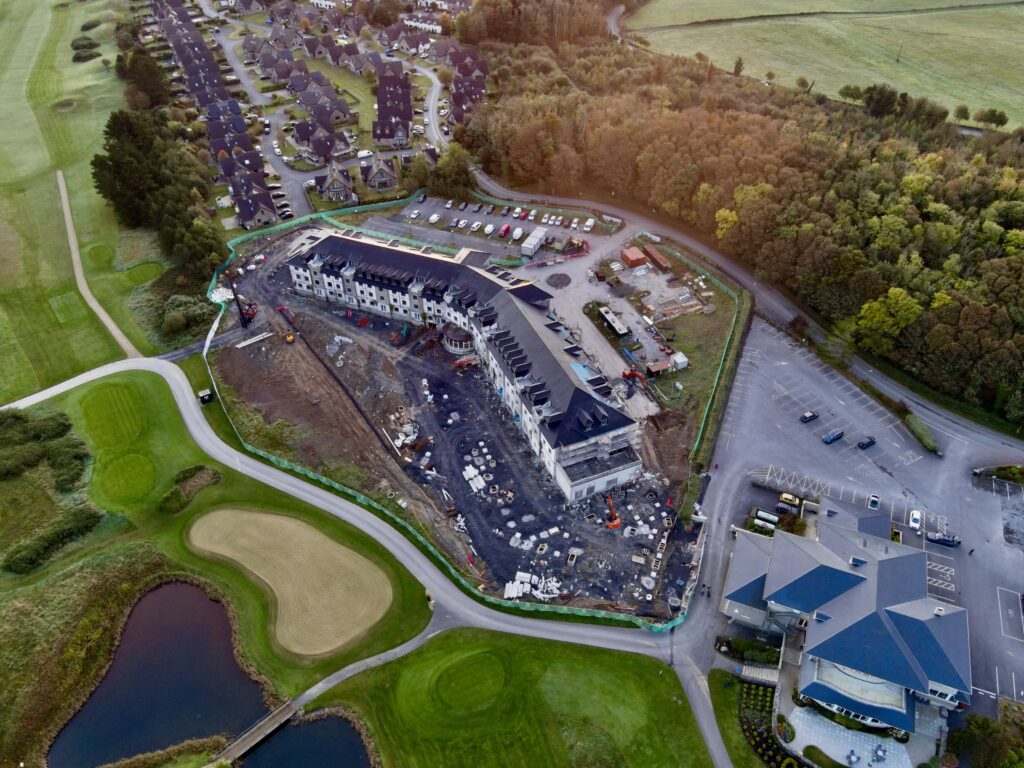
(454,608)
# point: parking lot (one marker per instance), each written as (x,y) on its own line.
(763,439)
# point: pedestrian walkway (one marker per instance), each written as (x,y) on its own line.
(758,674)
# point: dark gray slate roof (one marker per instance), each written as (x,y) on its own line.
(805,575)
(748,570)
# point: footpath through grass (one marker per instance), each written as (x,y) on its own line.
(58,623)
(54,113)
(476,699)
(946,55)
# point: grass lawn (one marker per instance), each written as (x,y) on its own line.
(476,698)
(659,13)
(54,115)
(945,55)
(725,697)
(358,94)
(60,620)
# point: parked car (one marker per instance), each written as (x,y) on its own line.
(808,416)
(363,153)
(434,218)
(916,520)
(533,215)
(517,233)
(421,199)
(276,186)
(309,183)
(504,210)
(523,215)
(516,212)
(504,230)
(866,443)
(475,227)
(575,224)
(489,230)
(462,205)
(454,222)
(873,501)
(415,214)
(559,220)
(544,219)
(789,498)
(449,204)
(274,144)
(944,539)
(786,509)
(477,207)
(588,225)
(278,195)
(489,210)
(833,436)
(277,151)
(287,215)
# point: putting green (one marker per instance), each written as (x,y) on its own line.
(114,414)
(471,684)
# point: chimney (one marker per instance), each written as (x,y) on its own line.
(939,610)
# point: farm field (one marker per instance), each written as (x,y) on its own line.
(54,116)
(350,595)
(58,623)
(946,54)
(476,698)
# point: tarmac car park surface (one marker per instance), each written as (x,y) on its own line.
(763,439)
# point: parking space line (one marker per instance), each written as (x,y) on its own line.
(941,584)
(1010,612)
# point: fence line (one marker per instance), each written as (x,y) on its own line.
(398,522)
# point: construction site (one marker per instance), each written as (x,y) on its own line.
(407,414)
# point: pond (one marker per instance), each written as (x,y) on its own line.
(330,741)
(174,677)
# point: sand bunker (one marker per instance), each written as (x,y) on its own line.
(326,594)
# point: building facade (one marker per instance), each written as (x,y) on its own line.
(584,442)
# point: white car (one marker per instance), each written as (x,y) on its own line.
(309,184)
(476,226)
(426,121)
(463,224)
(533,215)
(442,112)
(274,144)
(277,151)
(874,501)
(434,218)
(544,219)
(415,214)
(916,519)
(488,230)
(516,212)
(575,224)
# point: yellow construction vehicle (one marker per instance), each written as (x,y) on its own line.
(289,337)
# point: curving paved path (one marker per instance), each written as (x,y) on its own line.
(453,608)
(83,287)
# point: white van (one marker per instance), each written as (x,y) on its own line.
(364,153)
(588,225)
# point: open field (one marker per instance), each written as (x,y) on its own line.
(726,700)
(54,112)
(659,13)
(947,55)
(325,594)
(57,624)
(475,698)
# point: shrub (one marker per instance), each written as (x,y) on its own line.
(81,56)
(30,554)
(84,43)
(92,24)
(921,432)
(173,501)
(66,456)
(815,755)
(26,440)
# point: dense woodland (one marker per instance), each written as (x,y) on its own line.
(878,216)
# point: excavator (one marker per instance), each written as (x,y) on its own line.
(614,521)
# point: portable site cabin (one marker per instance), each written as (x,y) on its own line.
(534,242)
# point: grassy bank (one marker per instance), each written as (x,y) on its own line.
(891,44)
(725,697)
(59,624)
(475,698)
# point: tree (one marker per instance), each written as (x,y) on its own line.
(994,117)
(851,93)
(880,100)
(985,741)
(962,113)
(447,24)
(881,321)
(769,76)
(445,75)
(135,98)
(385,13)
(737,66)
(802,83)
(418,171)
(453,175)
(125,40)
(145,73)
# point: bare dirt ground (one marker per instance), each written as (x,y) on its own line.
(325,594)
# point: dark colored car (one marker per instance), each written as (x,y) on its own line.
(808,416)
(489,210)
(477,207)
(421,199)
(944,539)
(866,443)
(462,206)
(504,211)
(833,436)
